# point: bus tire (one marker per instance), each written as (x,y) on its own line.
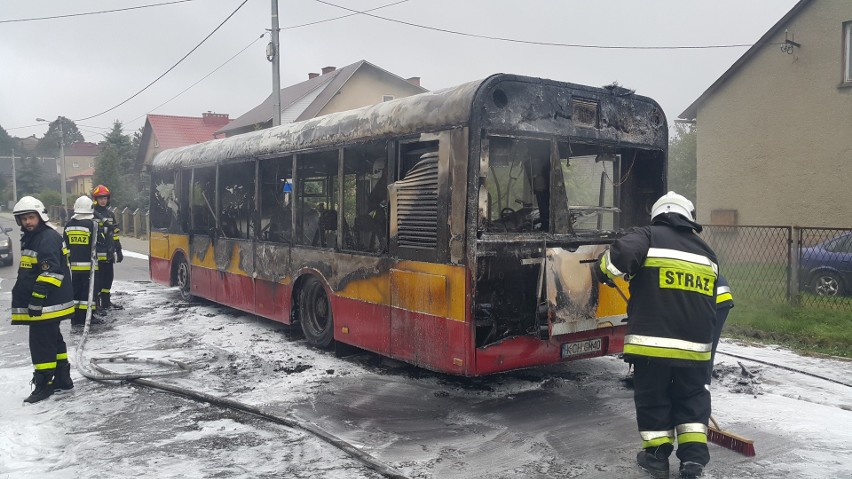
(182,279)
(315,313)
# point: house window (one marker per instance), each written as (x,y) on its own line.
(387,97)
(75,164)
(847,52)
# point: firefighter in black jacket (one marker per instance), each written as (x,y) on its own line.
(80,231)
(671,311)
(42,297)
(112,251)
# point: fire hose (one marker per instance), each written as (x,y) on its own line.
(170,367)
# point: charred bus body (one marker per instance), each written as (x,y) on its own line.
(451,229)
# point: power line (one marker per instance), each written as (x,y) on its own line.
(533,42)
(292,27)
(18,20)
(170,69)
(202,78)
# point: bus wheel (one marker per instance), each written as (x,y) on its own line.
(315,314)
(182,280)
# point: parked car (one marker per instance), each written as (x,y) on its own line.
(6,253)
(826,269)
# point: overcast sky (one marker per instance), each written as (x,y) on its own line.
(80,66)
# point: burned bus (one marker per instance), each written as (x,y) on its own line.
(454,230)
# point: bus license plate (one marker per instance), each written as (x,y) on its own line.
(578,348)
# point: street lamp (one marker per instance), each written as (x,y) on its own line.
(61,163)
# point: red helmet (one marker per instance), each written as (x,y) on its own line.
(100,190)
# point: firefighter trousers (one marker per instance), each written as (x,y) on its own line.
(672,403)
(80,282)
(47,346)
(106,272)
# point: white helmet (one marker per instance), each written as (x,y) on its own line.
(28,204)
(83,205)
(672,202)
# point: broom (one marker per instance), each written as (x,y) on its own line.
(730,440)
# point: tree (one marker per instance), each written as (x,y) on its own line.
(48,145)
(682,160)
(29,177)
(6,143)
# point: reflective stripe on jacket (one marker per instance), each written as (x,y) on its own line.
(672,307)
(44,279)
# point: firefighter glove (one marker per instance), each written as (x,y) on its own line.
(600,275)
(34,308)
(119,256)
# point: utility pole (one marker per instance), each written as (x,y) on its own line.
(61,163)
(62,168)
(273,55)
(14,179)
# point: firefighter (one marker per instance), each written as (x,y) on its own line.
(80,231)
(672,275)
(111,253)
(42,297)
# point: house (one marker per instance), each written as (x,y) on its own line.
(162,132)
(79,157)
(353,86)
(81,183)
(774,132)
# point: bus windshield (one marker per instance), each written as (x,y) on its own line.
(524,190)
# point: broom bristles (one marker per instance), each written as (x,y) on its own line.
(731,441)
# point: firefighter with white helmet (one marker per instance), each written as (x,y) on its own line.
(111,253)
(42,297)
(672,274)
(80,231)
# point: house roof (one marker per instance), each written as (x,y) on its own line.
(691,112)
(83,148)
(174,131)
(86,172)
(328,84)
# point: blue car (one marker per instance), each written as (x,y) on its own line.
(826,269)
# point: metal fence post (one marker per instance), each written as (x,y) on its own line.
(795,242)
(136,223)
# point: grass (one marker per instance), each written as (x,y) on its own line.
(815,327)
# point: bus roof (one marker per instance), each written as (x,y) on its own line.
(424,111)
(430,111)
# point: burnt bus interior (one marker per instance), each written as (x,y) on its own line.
(543,193)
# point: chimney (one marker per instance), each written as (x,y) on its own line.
(211,118)
(312,75)
(328,70)
(414,81)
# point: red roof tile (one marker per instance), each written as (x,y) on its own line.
(86,172)
(174,131)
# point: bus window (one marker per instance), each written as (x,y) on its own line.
(518,185)
(276,199)
(203,197)
(589,176)
(365,197)
(164,206)
(317,201)
(236,200)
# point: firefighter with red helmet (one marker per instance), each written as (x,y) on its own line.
(42,297)
(111,252)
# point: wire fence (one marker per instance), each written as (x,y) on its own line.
(811,267)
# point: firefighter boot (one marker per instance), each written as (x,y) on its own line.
(654,461)
(62,379)
(691,470)
(43,381)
